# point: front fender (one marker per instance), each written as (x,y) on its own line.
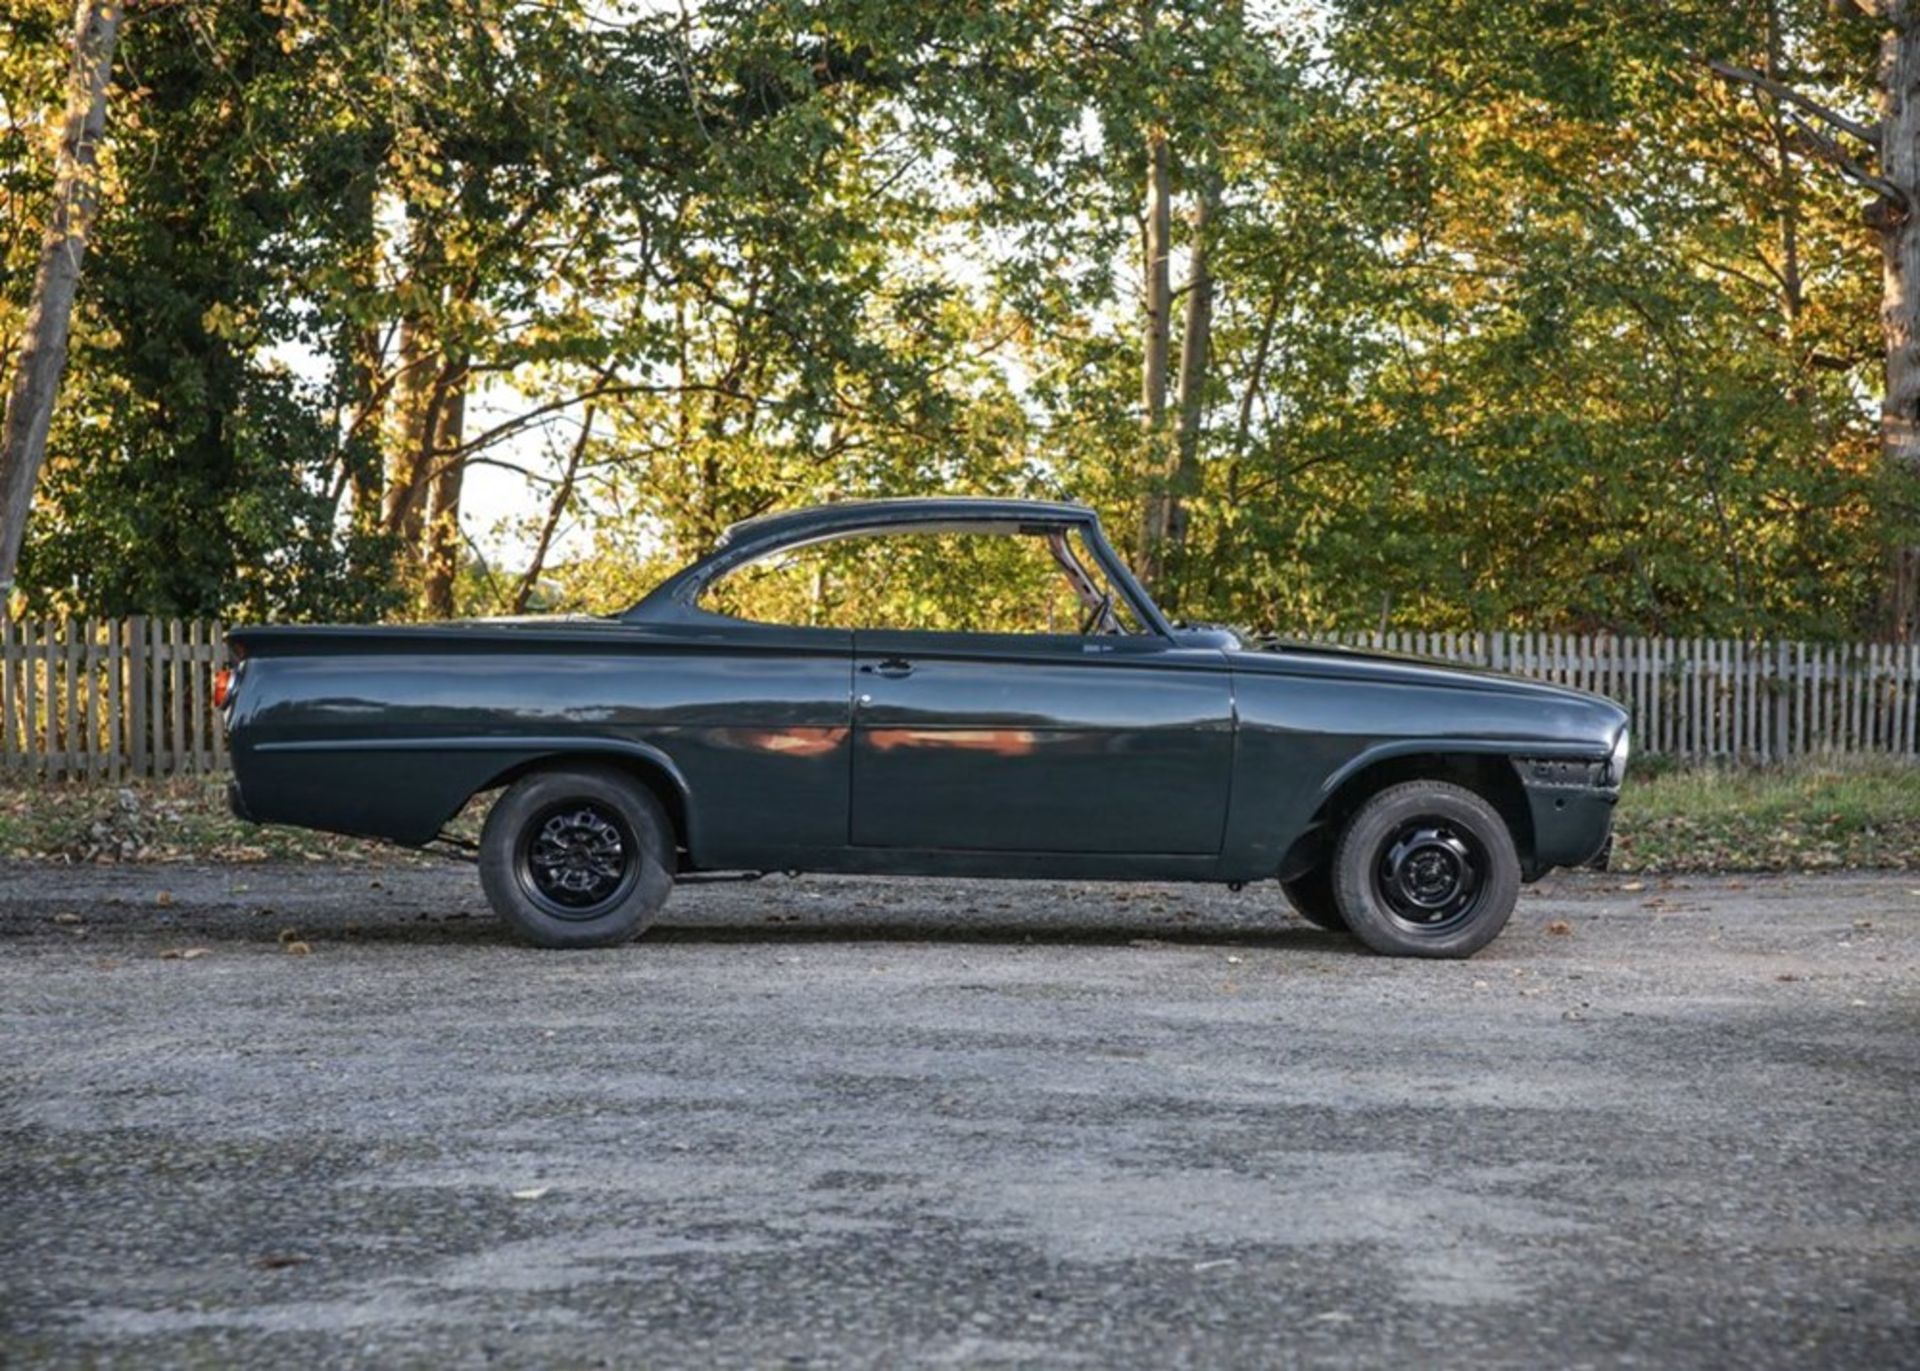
(1304,736)
(1476,747)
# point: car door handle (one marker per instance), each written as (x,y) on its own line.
(895,667)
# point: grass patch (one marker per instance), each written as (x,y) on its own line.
(1810,815)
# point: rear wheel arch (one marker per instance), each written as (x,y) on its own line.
(654,771)
(1489,775)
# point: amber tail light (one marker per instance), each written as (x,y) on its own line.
(222,687)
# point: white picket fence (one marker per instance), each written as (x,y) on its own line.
(1711,697)
(134,697)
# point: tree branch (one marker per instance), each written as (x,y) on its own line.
(556,508)
(1780,90)
(1831,152)
(1858,9)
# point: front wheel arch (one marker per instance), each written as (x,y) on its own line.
(1490,775)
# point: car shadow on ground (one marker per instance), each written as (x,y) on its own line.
(479,931)
(186,928)
(992,931)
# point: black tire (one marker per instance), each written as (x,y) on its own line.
(1312,899)
(1426,869)
(577,858)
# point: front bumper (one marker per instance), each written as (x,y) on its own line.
(1571,805)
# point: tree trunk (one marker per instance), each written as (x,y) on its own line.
(412,441)
(443,515)
(1196,343)
(556,508)
(358,363)
(1153,371)
(1900,313)
(420,390)
(49,321)
(1787,198)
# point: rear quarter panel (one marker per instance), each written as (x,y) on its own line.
(388,737)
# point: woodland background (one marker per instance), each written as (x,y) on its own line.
(1435,314)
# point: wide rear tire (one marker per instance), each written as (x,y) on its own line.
(581,857)
(1426,869)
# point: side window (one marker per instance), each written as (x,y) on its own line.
(931,581)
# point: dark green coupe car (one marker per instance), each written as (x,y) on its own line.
(926,687)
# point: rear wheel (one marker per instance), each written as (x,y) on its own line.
(1426,869)
(577,858)
(1312,899)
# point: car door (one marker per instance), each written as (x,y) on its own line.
(1039,743)
(756,717)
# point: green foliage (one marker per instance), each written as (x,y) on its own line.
(1522,318)
(189,470)
(952,582)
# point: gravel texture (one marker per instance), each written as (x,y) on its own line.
(325,1114)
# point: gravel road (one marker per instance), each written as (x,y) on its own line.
(827,1122)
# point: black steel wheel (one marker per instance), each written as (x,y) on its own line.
(1426,869)
(1431,874)
(577,857)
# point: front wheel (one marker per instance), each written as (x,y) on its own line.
(577,858)
(1426,869)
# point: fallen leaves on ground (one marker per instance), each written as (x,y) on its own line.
(180,819)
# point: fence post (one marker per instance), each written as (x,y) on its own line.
(1861,676)
(1910,686)
(137,695)
(187,651)
(6,692)
(50,688)
(1776,720)
(90,659)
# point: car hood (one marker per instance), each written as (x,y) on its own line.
(1287,656)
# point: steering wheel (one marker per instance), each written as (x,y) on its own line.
(1100,612)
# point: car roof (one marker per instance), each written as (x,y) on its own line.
(752,537)
(855,514)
